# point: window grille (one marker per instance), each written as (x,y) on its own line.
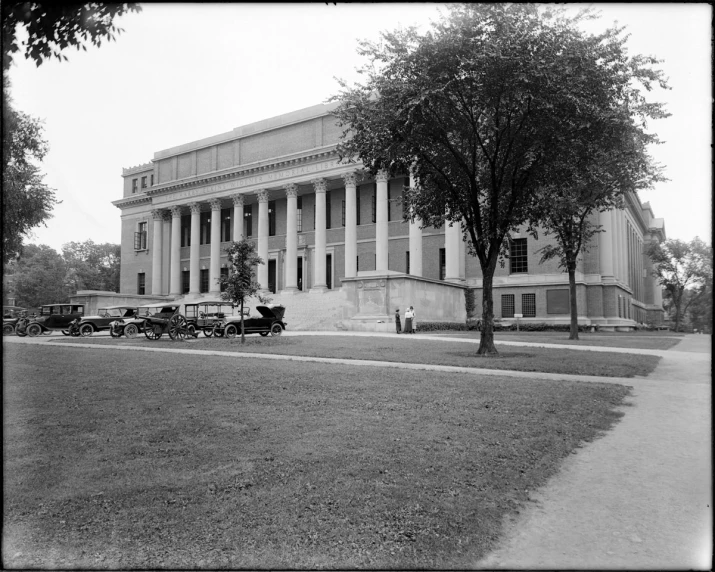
(528,305)
(517,256)
(141,283)
(271,218)
(204,287)
(507,305)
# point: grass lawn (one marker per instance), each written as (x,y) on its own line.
(137,460)
(412,349)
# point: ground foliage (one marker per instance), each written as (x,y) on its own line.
(260,466)
(477,109)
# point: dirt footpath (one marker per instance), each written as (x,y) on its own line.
(641,496)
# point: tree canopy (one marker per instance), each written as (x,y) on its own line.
(39,277)
(476,107)
(92,266)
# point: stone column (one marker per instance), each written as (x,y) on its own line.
(622,247)
(381,228)
(156,251)
(605,246)
(237,217)
(616,241)
(452,236)
(175,281)
(215,267)
(415,244)
(319,284)
(194,252)
(262,270)
(291,259)
(350,224)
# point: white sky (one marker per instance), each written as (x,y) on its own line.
(182,72)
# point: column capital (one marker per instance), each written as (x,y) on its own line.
(320,185)
(238,200)
(262,195)
(291,190)
(381,176)
(350,178)
(195,208)
(215,204)
(176,211)
(157,214)
(166,215)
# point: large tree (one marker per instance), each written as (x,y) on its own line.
(53,26)
(92,266)
(475,108)
(39,277)
(680,267)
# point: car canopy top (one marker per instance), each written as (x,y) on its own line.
(276,312)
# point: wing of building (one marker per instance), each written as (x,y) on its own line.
(335,243)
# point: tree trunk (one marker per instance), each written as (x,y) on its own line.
(573,332)
(677,302)
(486,343)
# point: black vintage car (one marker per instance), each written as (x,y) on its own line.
(10,317)
(266,320)
(205,314)
(104,317)
(52,317)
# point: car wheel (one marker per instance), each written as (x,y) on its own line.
(208,332)
(114,332)
(276,330)
(86,330)
(178,328)
(131,330)
(230,331)
(65,332)
(47,332)
(191,331)
(152,333)
(8,329)
(263,334)
(217,332)
(34,330)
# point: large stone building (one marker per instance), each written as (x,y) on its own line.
(323,228)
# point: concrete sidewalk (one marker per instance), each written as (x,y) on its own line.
(641,496)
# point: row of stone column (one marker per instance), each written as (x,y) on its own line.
(452,238)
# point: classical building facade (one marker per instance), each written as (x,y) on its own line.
(321,226)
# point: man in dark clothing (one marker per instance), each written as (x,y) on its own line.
(398,325)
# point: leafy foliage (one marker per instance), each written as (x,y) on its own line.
(26,200)
(92,266)
(680,266)
(39,277)
(53,27)
(241,283)
(478,109)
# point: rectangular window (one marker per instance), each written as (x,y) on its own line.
(135,185)
(226,224)
(357,205)
(205,228)
(442,263)
(151,183)
(327,209)
(407,262)
(374,205)
(517,256)
(185,281)
(224,275)
(557,302)
(140,236)
(314,215)
(299,214)
(271,218)
(204,286)
(507,305)
(143,182)
(248,217)
(185,230)
(141,283)
(357,263)
(528,305)
(342,218)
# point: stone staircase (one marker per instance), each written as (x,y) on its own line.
(306,311)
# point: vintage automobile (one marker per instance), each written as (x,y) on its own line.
(104,317)
(205,314)
(52,317)
(165,319)
(10,317)
(268,320)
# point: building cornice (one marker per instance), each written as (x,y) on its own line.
(126,171)
(134,200)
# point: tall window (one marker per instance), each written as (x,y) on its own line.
(299,214)
(327,209)
(374,205)
(143,182)
(226,220)
(185,230)
(407,262)
(205,228)
(314,215)
(357,205)
(342,218)
(528,305)
(517,256)
(135,185)
(224,275)
(141,283)
(442,263)
(507,305)
(140,236)
(185,282)
(204,287)
(152,181)
(248,218)
(271,218)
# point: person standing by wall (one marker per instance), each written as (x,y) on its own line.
(398,325)
(414,319)
(408,321)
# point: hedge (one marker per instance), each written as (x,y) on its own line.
(476,325)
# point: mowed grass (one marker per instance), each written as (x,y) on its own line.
(412,349)
(154,460)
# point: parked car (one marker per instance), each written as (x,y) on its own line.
(10,317)
(268,320)
(104,317)
(205,314)
(52,317)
